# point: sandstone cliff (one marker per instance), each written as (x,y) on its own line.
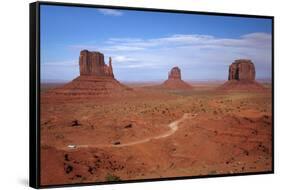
(96,78)
(174,80)
(241,76)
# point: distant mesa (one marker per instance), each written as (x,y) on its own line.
(241,76)
(96,78)
(174,80)
(174,74)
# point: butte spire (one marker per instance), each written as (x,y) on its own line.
(96,78)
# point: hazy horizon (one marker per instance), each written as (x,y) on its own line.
(144,46)
(155,81)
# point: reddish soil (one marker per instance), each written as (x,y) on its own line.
(236,85)
(176,84)
(153,133)
(98,86)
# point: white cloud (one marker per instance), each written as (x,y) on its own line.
(198,56)
(111,12)
(121,58)
(249,40)
(257,36)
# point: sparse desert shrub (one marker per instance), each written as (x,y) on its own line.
(129,126)
(68,168)
(112,177)
(75,123)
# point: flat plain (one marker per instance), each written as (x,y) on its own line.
(155,133)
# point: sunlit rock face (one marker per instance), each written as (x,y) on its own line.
(92,63)
(242,69)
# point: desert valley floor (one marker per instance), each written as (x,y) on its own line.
(154,133)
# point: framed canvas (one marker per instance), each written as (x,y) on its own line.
(122,94)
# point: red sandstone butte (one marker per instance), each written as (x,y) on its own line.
(174,80)
(241,76)
(92,64)
(96,78)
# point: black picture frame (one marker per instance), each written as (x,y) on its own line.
(34,91)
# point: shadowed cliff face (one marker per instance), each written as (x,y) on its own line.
(92,63)
(242,69)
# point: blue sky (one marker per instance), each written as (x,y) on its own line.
(144,46)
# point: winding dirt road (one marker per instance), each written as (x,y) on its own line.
(173,127)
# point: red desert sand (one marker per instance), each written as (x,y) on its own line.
(95,129)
